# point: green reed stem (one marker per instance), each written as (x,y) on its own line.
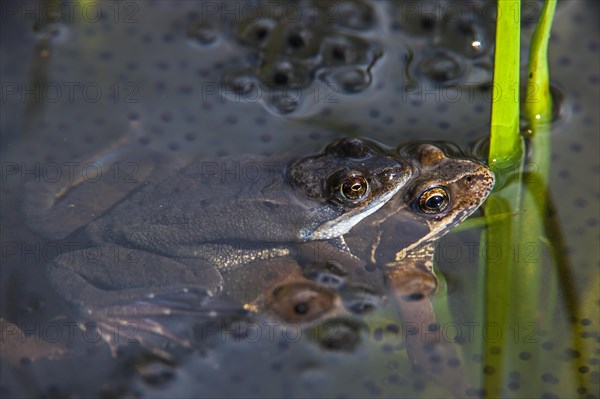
(505,155)
(505,141)
(513,281)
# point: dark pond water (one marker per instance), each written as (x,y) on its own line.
(208,79)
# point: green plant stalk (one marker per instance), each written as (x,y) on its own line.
(514,282)
(505,155)
(505,142)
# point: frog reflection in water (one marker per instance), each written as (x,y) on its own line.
(163,245)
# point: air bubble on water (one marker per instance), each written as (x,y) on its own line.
(202,34)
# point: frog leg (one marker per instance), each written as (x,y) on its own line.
(119,287)
(412,283)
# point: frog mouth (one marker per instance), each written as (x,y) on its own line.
(342,224)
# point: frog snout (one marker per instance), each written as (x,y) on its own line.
(481,179)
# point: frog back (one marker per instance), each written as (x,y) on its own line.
(240,200)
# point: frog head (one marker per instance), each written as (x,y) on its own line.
(350,179)
(442,192)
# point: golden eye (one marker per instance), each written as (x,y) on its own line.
(434,200)
(354,187)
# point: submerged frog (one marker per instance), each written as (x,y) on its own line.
(163,245)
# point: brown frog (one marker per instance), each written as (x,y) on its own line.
(397,240)
(442,192)
(159,245)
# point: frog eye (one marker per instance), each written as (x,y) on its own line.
(434,200)
(354,187)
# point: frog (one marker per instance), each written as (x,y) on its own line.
(399,240)
(445,188)
(161,247)
(388,258)
(329,279)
